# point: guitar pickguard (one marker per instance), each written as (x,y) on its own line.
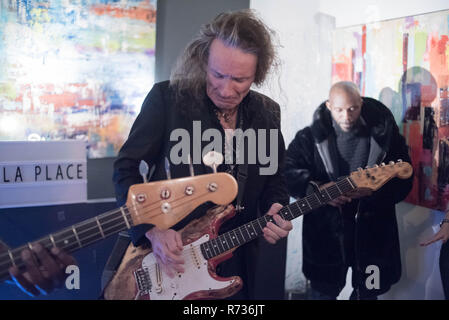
(140,277)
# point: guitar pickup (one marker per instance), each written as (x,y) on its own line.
(143,280)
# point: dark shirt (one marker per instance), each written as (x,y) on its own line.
(352,147)
(353,151)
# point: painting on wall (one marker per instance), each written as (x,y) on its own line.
(405,64)
(75,69)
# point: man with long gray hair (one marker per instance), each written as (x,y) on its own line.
(210,89)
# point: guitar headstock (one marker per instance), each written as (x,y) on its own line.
(375,177)
(164,203)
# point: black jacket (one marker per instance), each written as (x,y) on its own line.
(149,140)
(312,156)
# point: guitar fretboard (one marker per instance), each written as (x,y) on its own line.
(253,229)
(72,238)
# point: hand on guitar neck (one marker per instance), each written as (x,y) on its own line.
(44,277)
(348,197)
(167,244)
(273,232)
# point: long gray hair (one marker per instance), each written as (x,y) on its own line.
(239,29)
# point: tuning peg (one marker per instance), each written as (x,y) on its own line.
(143,170)
(399,160)
(167,168)
(391,163)
(376,166)
(367,167)
(213,159)
(192,172)
(382,164)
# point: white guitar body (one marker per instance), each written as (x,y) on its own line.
(155,283)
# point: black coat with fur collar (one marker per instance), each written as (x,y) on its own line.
(312,156)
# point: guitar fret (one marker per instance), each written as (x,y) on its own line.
(11,257)
(210,249)
(214,246)
(318,199)
(224,242)
(52,240)
(347,185)
(330,198)
(236,237)
(64,238)
(205,250)
(351,183)
(220,246)
(46,242)
(338,188)
(308,203)
(243,237)
(261,228)
(99,227)
(230,238)
(254,233)
(291,213)
(124,217)
(87,231)
(76,236)
(257,226)
(303,205)
(247,232)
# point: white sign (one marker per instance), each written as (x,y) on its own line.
(34,173)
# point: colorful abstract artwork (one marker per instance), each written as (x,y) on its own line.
(405,64)
(75,69)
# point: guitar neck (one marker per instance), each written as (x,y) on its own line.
(72,238)
(253,229)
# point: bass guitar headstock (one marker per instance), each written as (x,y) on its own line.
(164,203)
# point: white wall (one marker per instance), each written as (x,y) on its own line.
(305,80)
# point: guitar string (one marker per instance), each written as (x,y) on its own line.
(65,246)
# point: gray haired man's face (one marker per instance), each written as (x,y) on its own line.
(230,74)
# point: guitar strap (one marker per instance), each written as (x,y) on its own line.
(114,259)
(242,175)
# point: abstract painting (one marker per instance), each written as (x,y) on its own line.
(75,69)
(405,64)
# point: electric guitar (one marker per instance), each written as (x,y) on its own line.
(139,276)
(161,203)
